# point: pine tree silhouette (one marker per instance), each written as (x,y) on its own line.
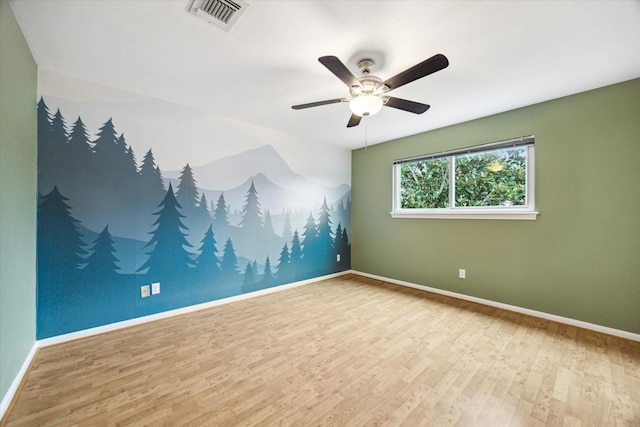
(54,158)
(168,257)
(77,163)
(296,256)
(125,182)
(310,253)
(283,269)
(115,177)
(203,205)
(106,145)
(151,185)
(207,263)
(248,280)
(310,233)
(220,214)
(59,132)
(251,216)
(59,241)
(229,262)
(102,263)
(324,242)
(268,224)
(202,211)
(267,277)
(112,169)
(345,249)
(79,141)
(337,244)
(44,123)
(47,156)
(342,248)
(129,160)
(187,194)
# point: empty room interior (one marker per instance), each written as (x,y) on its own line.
(310,213)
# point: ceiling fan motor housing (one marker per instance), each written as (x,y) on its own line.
(368,85)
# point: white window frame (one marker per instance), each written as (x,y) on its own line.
(526,212)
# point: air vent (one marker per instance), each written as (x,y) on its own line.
(221,13)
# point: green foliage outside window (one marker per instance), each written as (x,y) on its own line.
(425,184)
(494,178)
(491,178)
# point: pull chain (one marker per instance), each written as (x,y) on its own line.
(366,138)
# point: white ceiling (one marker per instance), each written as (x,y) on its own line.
(502,54)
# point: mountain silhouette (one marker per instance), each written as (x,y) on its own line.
(272,197)
(232,172)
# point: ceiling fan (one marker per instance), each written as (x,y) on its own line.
(367,92)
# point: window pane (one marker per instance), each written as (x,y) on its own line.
(424,184)
(493,178)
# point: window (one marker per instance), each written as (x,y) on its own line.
(488,181)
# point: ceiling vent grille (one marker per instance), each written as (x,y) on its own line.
(221,13)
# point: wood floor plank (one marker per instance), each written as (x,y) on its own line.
(349,351)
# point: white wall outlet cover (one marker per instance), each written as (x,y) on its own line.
(155,288)
(144,291)
(462,273)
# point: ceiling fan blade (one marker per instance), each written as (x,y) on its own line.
(426,67)
(336,66)
(406,105)
(319,103)
(354,120)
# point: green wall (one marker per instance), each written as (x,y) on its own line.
(580,259)
(18,84)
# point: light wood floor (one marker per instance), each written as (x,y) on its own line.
(343,352)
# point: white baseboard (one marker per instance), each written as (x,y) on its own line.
(560,319)
(166,314)
(15,385)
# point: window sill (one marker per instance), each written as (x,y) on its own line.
(465,214)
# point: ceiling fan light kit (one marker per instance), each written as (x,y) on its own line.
(366,105)
(367,92)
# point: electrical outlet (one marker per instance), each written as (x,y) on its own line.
(338,258)
(155,288)
(462,273)
(144,291)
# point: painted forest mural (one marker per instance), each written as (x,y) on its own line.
(110,222)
